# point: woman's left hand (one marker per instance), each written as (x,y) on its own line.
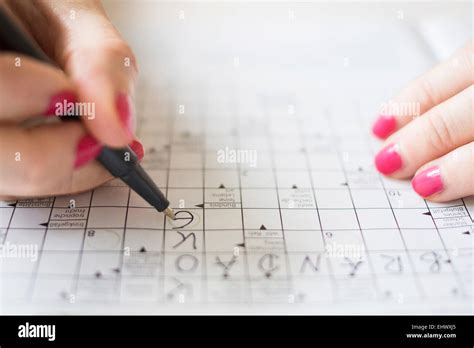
(438,146)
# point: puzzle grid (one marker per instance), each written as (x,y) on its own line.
(306,219)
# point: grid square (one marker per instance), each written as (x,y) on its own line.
(26,237)
(223,240)
(405,198)
(376,218)
(96,264)
(458,238)
(256,218)
(222,198)
(257,179)
(186,219)
(214,178)
(102,239)
(370,198)
(325,161)
(333,199)
(287,143)
(49,263)
(290,160)
(5,216)
(184,241)
(188,160)
(185,178)
(300,240)
(223,219)
(384,239)
(290,179)
(422,239)
(144,218)
(137,239)
(259,198)
(413,218)
(29,217)
(225,159)
(338,219)
(296,198)
(337,238)
(185,198)
(329,179)
(300,219)
(104,217)
(66,239)
(226,266)
(364,180)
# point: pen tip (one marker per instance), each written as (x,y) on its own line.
(169,213)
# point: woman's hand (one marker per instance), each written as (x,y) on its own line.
(438,146)
(100,70)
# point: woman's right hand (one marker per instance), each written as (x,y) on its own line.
(57,158)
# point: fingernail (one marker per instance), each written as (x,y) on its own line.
(125,112)
(384,126)
(388,160)
(137,147)
(59,102)
(87,149)
(428,182)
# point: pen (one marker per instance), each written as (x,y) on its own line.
(12,38)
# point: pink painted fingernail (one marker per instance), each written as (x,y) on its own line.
(384,126)
(428,182)
(388,160)
(87,149)
(125,112)
(137,147)
(58,103)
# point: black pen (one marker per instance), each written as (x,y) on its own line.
(13,38)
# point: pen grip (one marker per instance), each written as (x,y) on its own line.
(119,162)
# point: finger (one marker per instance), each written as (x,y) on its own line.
(41,160)
(84,42)
(30,88)
(51,159)
(439,131)
(448,177)
(104,82)
(441,83)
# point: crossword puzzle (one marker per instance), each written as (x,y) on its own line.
(274,205)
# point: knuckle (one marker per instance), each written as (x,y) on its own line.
(427,94)
(441,134)
(122,50)
(113,51)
